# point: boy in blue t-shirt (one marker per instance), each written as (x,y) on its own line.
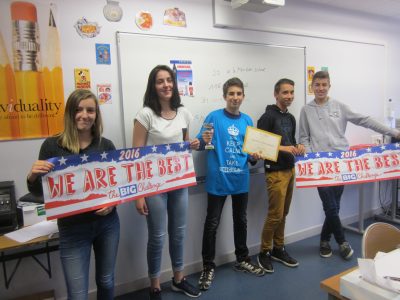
(227,174)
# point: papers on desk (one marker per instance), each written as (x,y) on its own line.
(383,270)
(31,232)
(377,279)
(354,287)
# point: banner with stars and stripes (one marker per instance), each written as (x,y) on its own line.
(348,167)
(81,183)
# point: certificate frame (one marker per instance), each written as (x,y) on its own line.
(265,143)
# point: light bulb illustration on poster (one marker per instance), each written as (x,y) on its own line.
(183,76)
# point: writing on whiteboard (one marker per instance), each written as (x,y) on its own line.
(218,86)
(208,100)
(238,70)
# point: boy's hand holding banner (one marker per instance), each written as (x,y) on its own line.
(81,183)
(348,167)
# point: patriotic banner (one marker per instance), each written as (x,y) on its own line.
(348,167)
(81,183)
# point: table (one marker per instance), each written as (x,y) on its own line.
(11,250)
(331,285)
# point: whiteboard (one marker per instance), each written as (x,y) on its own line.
(212,62)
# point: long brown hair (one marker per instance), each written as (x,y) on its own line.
(150,98)
(69,138)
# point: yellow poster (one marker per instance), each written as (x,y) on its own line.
(82,78)
(310,75)
(31,90)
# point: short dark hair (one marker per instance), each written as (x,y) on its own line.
(321,75)
(277,87)
(150,98)
(232,82)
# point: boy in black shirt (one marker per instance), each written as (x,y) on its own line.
(279,176)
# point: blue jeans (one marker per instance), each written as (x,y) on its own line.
(76,243)
(330,197)
(174,204)
(239,214)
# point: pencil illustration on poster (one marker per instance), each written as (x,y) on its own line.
(32,92)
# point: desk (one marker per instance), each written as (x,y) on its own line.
(10,250)
(331,285)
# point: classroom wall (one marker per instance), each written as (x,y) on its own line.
(310,25)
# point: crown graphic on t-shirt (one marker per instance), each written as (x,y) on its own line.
(233,130)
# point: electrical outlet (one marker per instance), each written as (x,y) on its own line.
(377,139)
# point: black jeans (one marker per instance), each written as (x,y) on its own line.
(330,197)
(214,210)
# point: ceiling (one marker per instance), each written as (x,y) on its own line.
(383,8)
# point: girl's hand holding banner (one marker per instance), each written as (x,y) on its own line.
(81,183)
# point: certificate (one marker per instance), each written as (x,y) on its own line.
(262,142)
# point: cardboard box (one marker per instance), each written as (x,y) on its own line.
(31,213)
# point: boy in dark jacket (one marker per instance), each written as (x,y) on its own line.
(279,176)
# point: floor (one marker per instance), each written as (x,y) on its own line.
(285,283)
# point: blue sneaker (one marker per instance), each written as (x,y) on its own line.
(185,287)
